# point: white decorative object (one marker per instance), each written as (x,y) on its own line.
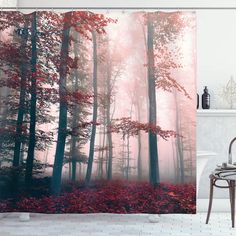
(155,218)
(24,217)
(228,93)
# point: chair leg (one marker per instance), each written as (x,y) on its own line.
(230,198)
(210,201)
(232,186)
(230,193)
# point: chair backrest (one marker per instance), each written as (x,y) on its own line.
(230,151)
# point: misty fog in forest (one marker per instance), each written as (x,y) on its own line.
(94,99)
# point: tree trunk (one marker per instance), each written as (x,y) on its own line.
(73,175)
(106,153)
(33,100)
(80,171)
(103,144)
(128,146)
(21,109)
(110,154)
(95,108)
(69,174)
(181,159)
(109,135)
(179,144)
(128,158)
(3,112)
(75,116)
(152,137)
(22,153)
(190,156)
(62,127)
(139,147)
(123,164)
(175,162)
(99,163)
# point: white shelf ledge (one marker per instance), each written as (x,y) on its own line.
(216,113)
(205,153)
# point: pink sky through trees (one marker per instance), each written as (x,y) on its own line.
(127,46)
(98,110)
(128,50)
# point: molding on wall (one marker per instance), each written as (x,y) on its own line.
(130,3)
(216,113)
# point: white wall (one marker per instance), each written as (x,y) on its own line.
(216,50)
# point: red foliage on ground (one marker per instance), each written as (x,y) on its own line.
(112,197)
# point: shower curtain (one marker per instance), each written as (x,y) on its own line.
(97,112)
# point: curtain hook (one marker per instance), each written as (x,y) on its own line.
(123,11)
(107,12)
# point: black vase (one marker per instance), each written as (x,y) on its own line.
(197,101)
(205,99)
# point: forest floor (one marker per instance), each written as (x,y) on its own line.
(109,197)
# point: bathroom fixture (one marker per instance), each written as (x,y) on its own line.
(202,158)
(228,175)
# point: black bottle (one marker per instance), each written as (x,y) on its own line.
(197,101)
(205,99)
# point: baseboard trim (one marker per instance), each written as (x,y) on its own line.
(218,205)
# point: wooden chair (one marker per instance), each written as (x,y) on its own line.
(230,178)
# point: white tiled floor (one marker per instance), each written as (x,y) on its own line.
(122,225)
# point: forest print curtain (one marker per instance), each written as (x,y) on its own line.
(97,112)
